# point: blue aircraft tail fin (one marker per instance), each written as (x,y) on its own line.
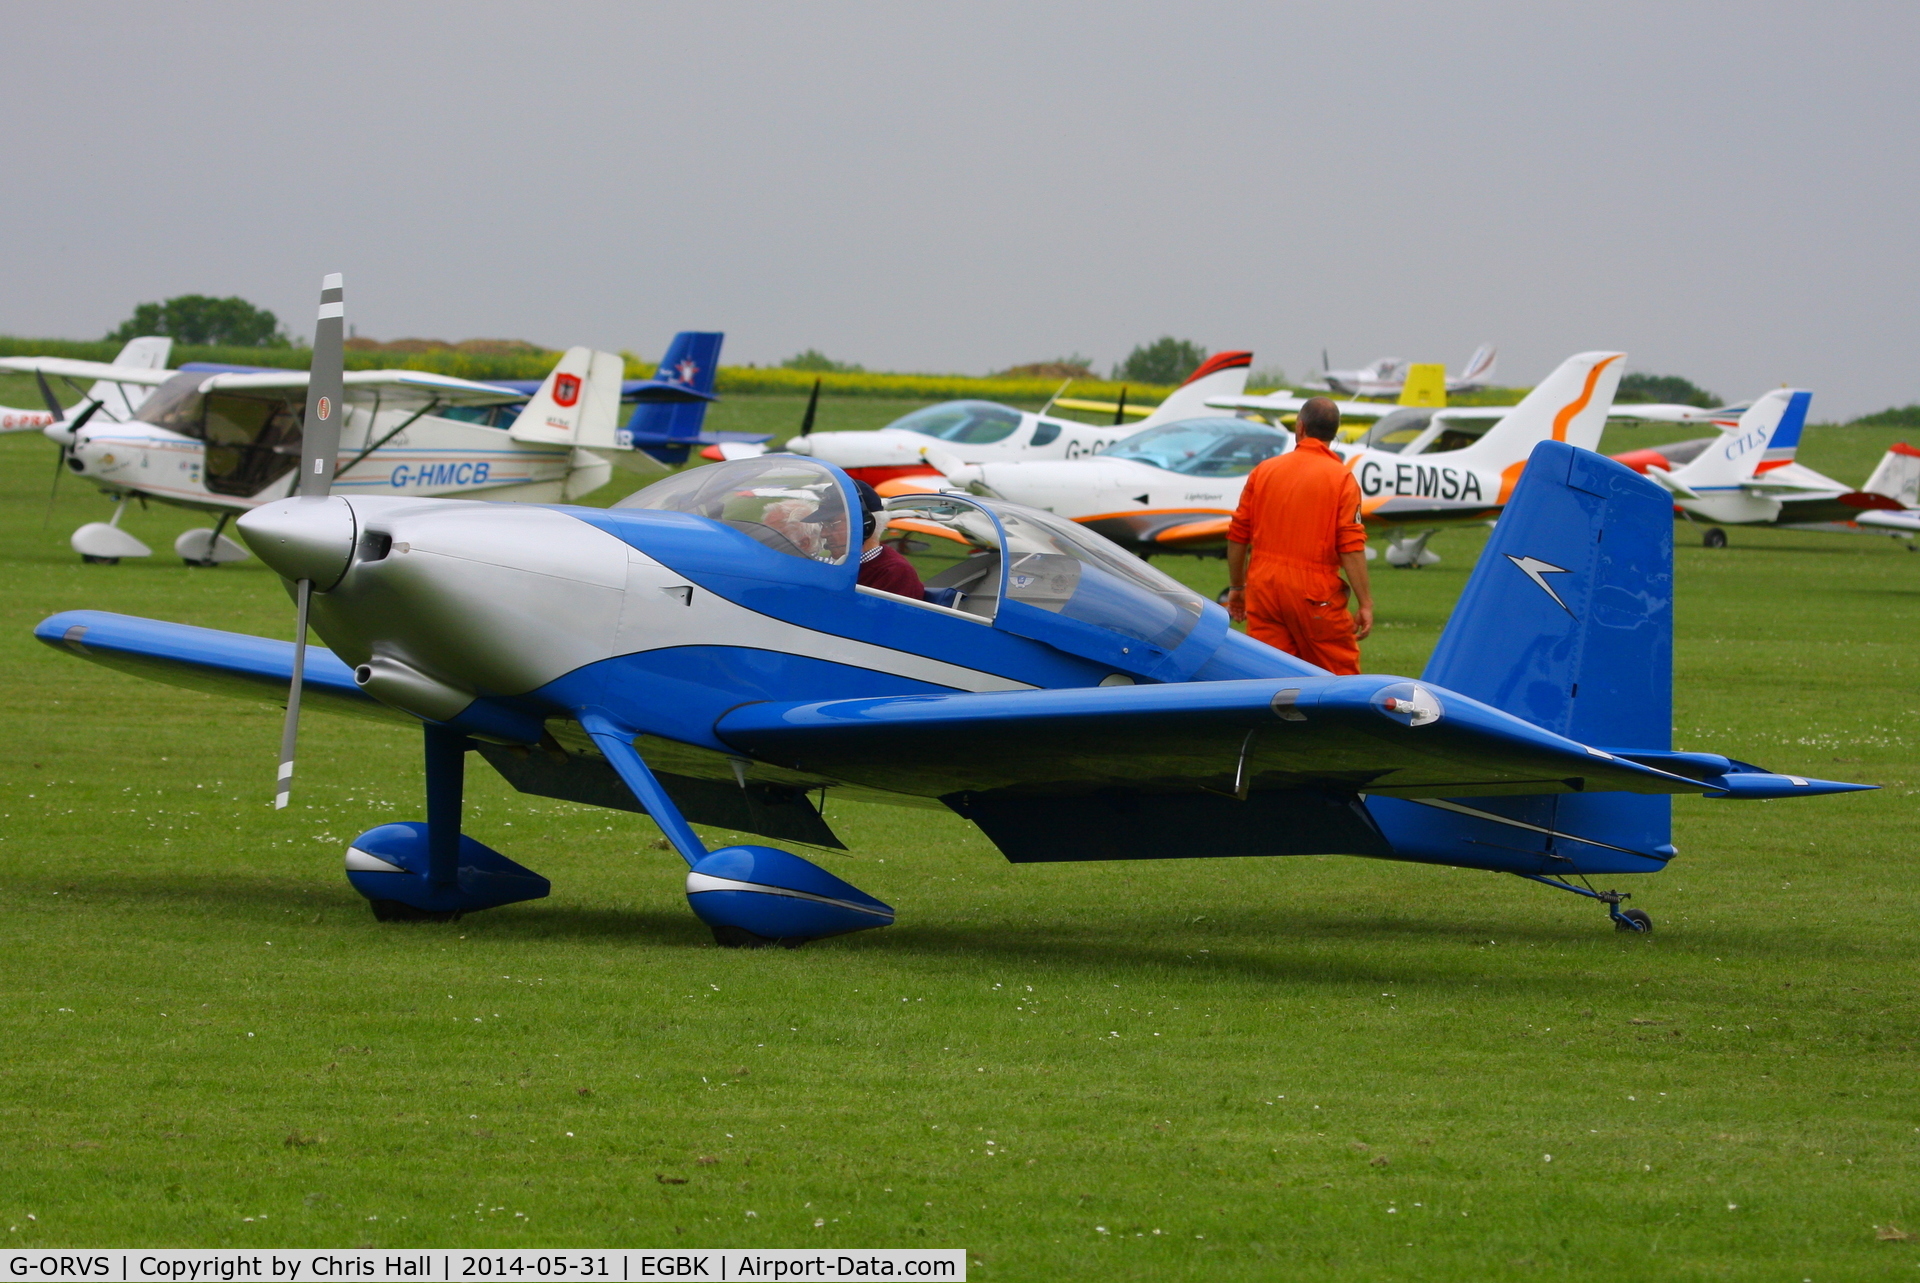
(1567,621)
(665,427)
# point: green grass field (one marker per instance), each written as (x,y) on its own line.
(1239,1069)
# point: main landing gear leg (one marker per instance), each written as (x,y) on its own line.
(413,872)
(1635,920)
(751,896)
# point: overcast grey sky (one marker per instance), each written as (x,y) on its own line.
(1727,191)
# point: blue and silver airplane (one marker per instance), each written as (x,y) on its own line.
(702,653)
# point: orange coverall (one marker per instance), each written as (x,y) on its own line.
(1298,513)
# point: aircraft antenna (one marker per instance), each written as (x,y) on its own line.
(319,456)
(1056,396)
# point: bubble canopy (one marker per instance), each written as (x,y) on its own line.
(1208,447)
(791,504)
(1055,565)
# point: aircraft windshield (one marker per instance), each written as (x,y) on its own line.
(1397,430)
(252,440)
(790,504)
(1215,447)
(1052,564)
(968,422)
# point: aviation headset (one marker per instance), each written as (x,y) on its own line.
(870,506)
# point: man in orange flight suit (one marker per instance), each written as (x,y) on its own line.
(1297,528)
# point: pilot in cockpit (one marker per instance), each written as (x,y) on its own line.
(882,567)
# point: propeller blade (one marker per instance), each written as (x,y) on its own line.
(60,461)
(54,407)
(320,438)
(319,456)
(1120,411)
(813,404)
(290,732)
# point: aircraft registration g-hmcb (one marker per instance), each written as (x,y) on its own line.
(703,653)
(224,439)
(1173,488)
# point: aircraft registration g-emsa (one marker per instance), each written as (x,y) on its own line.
(703,653)
(224,439)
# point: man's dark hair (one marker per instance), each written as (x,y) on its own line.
(1319,418)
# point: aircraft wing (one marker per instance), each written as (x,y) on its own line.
(206,659)
(60,366)
(393,388)
(1335,734)
(1288,403)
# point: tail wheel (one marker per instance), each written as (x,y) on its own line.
(1635,921)
(1714,538)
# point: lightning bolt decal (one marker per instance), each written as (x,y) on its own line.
(1537,570)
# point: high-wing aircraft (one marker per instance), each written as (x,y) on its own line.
(1386,376)
(117,401)
(222,439)
(703,653)
(1749,476)
(984,431)
(1174,488)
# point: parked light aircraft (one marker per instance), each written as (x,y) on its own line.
(702,653)
(223,440)
(1174,488)
(1386,376)
(1749,476)
(983,431)
(117,401)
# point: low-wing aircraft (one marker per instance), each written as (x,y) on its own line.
(1174,488)
(223,439)
(703,653)
(117,401)
(1749,476)
(985,431)
(1386,376)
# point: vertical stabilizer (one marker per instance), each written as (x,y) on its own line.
(1425,385)
(1766,438)
(1477,371)
(667,420)
(1567,619)
(1898,476)
(577,404)
(118,401)
(1570,405)
(1567,622)
(1222,374)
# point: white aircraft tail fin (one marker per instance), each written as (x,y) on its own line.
(118,401)
(1479,367)
(579,404)
(1766,438)
(1222,374)
(1570,405)
(1898,476)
